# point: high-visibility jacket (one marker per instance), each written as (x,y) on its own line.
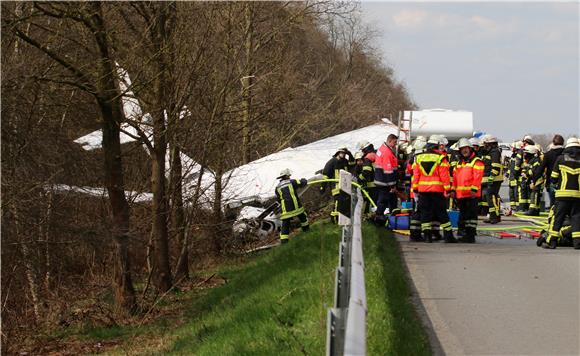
(431,173)
(519,162)
(566,174)
(496,165)
(332,171)
(467,177)
(486,158)
(454,159)
(386,164)
(287,194)
(365,174)
(513,175)
(533,167)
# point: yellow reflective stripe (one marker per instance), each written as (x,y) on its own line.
(293,195)
(555,174)
(570,170)
(479,168)
(430,183)
(463,188)
(282,200)
(367,168)
(496,165)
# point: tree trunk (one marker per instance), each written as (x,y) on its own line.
(178,214)
(247,82)
(110,105)
(159,35)
(162,271)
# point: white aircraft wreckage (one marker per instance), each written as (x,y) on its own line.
(249,189)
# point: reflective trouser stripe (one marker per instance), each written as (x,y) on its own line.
(334,212)
(426,226)
(283,237)
(446,226)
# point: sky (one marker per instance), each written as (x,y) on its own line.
(515,65)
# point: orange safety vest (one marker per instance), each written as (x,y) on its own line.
(467,176)
(431,173)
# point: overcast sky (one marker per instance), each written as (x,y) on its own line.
(515,65)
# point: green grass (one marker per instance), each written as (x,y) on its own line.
(276,303)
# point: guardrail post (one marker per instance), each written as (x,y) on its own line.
(346,322)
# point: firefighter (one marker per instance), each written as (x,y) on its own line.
(534,177)
(554,151)
(386,165)
(523,185)
(370,156)
(483,153)
(466,188)
(512,177)
(494,179)
(566,178)
(290,204)
(415,225)
(332,171)
(365,175)
(564,237)
(431,184)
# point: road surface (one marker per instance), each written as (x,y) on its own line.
(497,297)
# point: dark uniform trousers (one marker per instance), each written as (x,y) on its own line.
(468,215)
(493,199)
(433,207)
(563,208)
(285,230)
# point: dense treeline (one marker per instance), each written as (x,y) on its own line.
(225,83)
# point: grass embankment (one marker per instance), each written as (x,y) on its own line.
(276,303)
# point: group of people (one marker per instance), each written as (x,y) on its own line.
(434,176)
(558,171)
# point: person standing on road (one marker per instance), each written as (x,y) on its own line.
(547,164)
(332,171)
(494,179)
(290,204)
(566,178)
(431,184)
(523,184)
(534,177)
(386,165)
(512,177)
(466,188)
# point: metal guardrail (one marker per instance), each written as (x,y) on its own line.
(346,321)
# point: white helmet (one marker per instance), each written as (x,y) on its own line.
(572,142)
(434,139)
(489,139)
(531,149)
(463,142)
(363,144)
(285,173)
(443,140)
(359,155)
(455,147)
(419,145)
(410,149)
(474,141)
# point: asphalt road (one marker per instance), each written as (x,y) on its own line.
(497,297)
